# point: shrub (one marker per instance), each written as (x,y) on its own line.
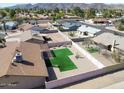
(121,27)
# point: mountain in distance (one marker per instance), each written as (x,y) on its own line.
(69,5)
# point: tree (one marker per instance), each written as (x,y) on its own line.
(107,13)
(12,13)
(3,13)
(119,24)
(78,12)
(56,10)
(90,13)
(72,34)
(18,10)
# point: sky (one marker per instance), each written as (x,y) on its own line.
(6,3)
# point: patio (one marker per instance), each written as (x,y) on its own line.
(82,63)
(99,52)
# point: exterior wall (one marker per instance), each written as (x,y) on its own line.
(78,39)
(35,41)
(21,82)
(44,32)
(84,76)
(59,44)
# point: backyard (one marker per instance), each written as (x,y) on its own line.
(92,50)
(61,60)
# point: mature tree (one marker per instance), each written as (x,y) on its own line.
(12,13)
(56,10)
(18,10)
(78,12)
(90,13)
(3,13)
(107,13)
(119,24)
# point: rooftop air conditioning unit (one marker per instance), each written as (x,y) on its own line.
(18,56)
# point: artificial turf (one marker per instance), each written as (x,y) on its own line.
(61,52)
(63,63)
(61,60)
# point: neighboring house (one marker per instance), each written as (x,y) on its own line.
(11,25)
(87,30)
(106,39)
(101,21)
(71,25)
(71,17)
(37,30)
(33,22)
(22,66)
(99,14)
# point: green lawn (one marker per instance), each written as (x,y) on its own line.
(61,60)
(92,50)
(61,52)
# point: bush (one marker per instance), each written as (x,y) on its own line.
(119,24)
(61,29)
(71,34)
(121,27)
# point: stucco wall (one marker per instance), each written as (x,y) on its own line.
(59,44)
(21,82)
(84,76)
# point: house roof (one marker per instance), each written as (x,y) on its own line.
(108,38)
(89,29)
(39,29)
(100,19)
(33,64)
(69,24)
(10,23)
(6,55)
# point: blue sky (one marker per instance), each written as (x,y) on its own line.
(7,4)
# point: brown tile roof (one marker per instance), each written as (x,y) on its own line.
(25,26)
(33,64)
(100,19)
(6,55)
